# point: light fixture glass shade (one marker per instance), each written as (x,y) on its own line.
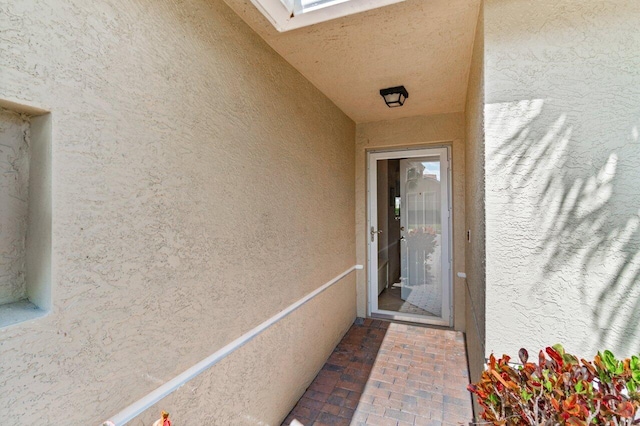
(394,96)
(394,99)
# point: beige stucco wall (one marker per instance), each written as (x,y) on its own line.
(475,207)
(562,122)
(14,202)
(38,259)
(407,132)
(271,381)
(200,185)
(25,213)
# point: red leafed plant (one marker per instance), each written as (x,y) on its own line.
(560,389)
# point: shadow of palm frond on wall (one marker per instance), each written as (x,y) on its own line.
(580,191)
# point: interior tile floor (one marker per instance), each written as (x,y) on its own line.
(385,373)
(390,300)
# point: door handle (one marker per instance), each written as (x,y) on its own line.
(374,233)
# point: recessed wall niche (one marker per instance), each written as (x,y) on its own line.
(25,212)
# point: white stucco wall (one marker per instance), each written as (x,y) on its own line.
(420,131)
(200,185)
(14,198)
(562,121)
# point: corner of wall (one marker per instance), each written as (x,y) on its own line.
(475,205)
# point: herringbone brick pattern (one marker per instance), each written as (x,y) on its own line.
(390,374)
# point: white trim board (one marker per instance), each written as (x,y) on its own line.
(143,404)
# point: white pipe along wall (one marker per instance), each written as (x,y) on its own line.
(137,408)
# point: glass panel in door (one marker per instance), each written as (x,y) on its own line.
(421,242)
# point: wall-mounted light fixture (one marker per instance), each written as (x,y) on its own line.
(394,96)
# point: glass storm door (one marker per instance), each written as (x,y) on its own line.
(414,234)
(421,233)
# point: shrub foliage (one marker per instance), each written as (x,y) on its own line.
(560,389)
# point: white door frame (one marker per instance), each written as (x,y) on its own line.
(444,152)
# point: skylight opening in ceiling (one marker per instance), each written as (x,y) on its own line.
(287,15)
(305,6)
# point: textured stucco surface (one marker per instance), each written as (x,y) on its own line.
(424,45)
(200,185)
(413,132)
(562,120)
(38,262)
(14,200)
(272,371)
(475,207)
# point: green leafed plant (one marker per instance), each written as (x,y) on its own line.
(560,389)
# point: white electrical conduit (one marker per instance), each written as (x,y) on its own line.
(138,407)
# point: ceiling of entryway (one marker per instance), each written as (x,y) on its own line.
(424,45)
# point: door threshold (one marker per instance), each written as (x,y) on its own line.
(410,319)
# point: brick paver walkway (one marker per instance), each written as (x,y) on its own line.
(390,374)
